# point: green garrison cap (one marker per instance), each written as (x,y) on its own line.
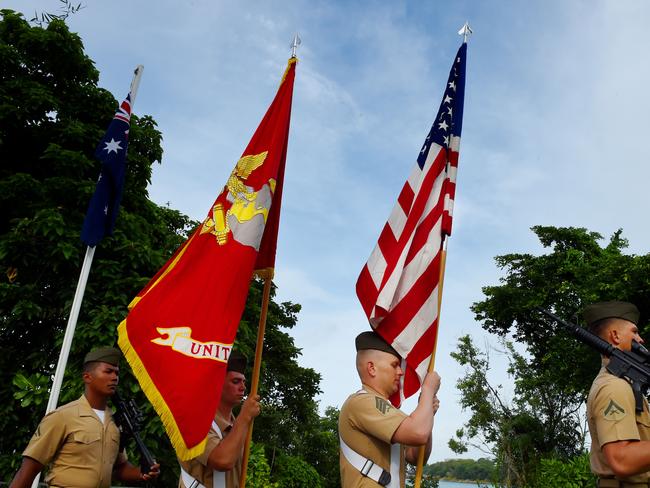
(236,362)
(371,340)
(607,310)
(108,355)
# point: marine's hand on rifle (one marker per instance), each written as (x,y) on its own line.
(153,473)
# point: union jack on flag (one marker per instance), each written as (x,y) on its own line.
(105,202)
(398,286)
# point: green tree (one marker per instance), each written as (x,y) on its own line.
(52,114)
(509,430)
(575,272)
(294,472)
(427,481)
(289,426)
(572,473)
(553,371)
(321,447)
(462,469)
(259,472)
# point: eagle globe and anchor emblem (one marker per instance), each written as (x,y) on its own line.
(249,209)
(246,218)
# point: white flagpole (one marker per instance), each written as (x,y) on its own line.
(69,329)
(78,298)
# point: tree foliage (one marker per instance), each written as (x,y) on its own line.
(551,371)
(66,8)
(510,430)
(572,473)
(427,481)
(52,114)
(577,271)
(462,469)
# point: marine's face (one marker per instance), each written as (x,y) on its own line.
(624,333)
(234,388)
(389,371)
(103,378)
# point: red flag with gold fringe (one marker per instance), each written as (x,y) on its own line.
(181,326)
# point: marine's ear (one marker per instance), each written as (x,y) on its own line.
(371,369)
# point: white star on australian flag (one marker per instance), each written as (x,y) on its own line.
(112,146)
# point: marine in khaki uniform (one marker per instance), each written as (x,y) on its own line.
(220,464)
(377,438)
(620,436)
(80,440)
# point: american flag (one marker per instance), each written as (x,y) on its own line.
(398,287)
(105,202)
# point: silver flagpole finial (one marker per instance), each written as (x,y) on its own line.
(135,82)
(465,31)
(294,45)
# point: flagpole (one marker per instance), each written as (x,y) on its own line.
(266,295)
(267,275)
(432,359)
(76,301)
(464,31)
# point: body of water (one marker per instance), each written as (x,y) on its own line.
(454,484)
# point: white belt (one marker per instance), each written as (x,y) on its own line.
(218,477)
(368,468)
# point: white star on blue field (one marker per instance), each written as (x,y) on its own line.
(538,143)
(112,146)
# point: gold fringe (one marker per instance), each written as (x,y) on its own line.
(134,302)
(173,432)
(291,61)
(171,266)
(264,273)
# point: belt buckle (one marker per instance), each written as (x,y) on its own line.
(384,479)
(367,466)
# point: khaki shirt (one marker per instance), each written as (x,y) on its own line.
(612,417)
(367,423)
(80,449)
(198,467)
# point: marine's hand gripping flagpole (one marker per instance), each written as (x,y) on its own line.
(78,297)
(267,275)
(465,31)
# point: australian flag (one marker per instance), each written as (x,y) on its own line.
(105,202)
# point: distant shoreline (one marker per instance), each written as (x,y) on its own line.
(454,480)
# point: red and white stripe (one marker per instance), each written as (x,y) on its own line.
(398,286)
(124,111)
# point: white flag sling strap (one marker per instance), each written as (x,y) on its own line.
(395,463)
(218,477)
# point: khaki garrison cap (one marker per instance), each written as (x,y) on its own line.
(108,355)
(608,310)
(236,362)
(371,340)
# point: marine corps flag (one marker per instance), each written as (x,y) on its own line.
(181,326)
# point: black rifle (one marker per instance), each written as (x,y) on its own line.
(633,366)
(129,419)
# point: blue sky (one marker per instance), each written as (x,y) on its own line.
(554,133)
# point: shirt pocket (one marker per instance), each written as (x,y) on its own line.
(114,436)
(86,437)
